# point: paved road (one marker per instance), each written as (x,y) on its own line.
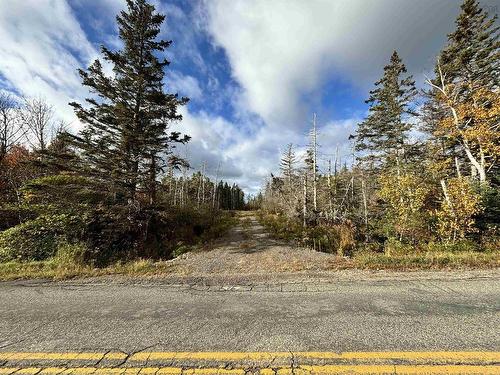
(254,317)
(340,316)
(421,325)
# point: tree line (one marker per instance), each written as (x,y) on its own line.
(425,162)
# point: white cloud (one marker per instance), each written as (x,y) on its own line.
(41,47)
(281,51)
(284,52)
(184,85)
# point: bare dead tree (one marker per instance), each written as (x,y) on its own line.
(330,203)
(287,167)
(304,201)
(203,182)
(37,117)
(216,183)
(11,130)
(314,149)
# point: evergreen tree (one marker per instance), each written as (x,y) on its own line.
(126,126)
(468,63)
(383,136)
(472,55)
(466,73)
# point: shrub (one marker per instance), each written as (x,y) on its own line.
(70,253)
(115,233)
(325,237)
(180,249)
(36,239)
(405,195)
(491,243)
(331,238)
(394,247)
(452,247)
(456,217)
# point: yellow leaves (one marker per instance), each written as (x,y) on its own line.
(458,208)
(483,115)
(475,121)
(405,194)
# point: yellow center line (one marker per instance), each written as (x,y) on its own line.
(323,369)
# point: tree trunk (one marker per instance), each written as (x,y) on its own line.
(365,207)
(304,204)
(315,143)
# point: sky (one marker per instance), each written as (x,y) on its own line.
(255,70)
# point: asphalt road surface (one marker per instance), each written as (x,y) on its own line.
(340,316)
(419,315)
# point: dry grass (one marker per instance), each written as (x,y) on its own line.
(427,260)
(277,263)
(52,270)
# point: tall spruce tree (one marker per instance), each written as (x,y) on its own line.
(383,136)
(468,65)
(472,55)
(126,139)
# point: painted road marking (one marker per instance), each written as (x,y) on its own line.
(437,356)
(326,369)
(208,363)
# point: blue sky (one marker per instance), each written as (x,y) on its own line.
(255,70)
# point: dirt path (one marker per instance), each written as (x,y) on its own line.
(248,249)
(249,255)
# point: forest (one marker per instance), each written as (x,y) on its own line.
(423,176)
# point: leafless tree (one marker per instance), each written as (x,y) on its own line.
(314,150)
(11,130)
(37,117)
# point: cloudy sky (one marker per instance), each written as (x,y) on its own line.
(255,70)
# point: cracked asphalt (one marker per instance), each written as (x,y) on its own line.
(414,314)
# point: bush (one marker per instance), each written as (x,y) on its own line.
(426,260)
(394,247)
(70,253)
(36,239)
(452,247)
(491,243)
(325,237)
(180,249)
(115,233)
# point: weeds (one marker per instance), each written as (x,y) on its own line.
(392,254)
